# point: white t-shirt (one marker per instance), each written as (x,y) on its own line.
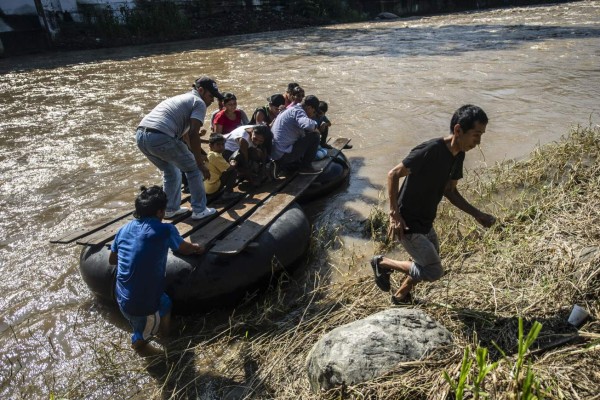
(172,116)
(232,144)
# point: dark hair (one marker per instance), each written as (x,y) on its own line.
(216,138)
(291,87)
(312,101)
(267,134)
(297,91)
(150,201)
(323,107)
(262,130)
(466,116)
(227,97)
(276,100)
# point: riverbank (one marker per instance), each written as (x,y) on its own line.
(538,260)
(159,22)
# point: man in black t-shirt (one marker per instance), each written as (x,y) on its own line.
(432,170)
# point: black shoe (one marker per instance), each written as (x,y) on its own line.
(309,170)
(382,279)
(347,146)
(398,301)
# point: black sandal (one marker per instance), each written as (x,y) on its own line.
(382,279)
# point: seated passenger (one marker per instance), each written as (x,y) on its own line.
(229,117)
(245,145)
(297,96)
(296,138)
(222,173)
(266,115)
(288,93)
(323,124)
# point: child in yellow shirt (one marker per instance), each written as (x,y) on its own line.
(222,173)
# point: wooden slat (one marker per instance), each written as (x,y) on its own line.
(96,226)
(75,234)
(231,216)
(106,234)
(184,223)
(213,227)
(246,232)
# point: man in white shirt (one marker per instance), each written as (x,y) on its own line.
(159,137)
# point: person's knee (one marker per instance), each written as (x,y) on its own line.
(192,173)
(314,136)
(434,272)
(428,273)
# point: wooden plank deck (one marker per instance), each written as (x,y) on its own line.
(228,219)
(96,226)
(250,228)
(79,233)
(240,220)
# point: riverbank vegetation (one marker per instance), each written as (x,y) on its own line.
(506,297)
(152,21)
(161,21)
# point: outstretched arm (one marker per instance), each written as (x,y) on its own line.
(194,135)
(187,248)
(453,195)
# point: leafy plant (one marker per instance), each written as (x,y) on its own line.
(483,369)
(524,344)
(465,368)
(527,387)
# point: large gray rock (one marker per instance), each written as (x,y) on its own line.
(367,348)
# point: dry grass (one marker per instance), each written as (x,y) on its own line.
(540,259)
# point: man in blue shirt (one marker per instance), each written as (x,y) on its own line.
(140,251)
(296,137)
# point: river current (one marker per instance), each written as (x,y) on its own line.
(68,155)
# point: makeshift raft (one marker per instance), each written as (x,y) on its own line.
(248,241)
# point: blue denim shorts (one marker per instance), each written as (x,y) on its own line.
(147,326)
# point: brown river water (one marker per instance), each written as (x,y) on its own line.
(68,155)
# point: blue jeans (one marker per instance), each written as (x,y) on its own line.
(147,326)
(172,156)
(425,252)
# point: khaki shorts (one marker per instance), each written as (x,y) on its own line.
(424,249)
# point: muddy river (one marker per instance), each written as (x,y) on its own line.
(68,155)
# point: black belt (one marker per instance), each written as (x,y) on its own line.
(151,130)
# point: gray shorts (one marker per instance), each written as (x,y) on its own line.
(424,249)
